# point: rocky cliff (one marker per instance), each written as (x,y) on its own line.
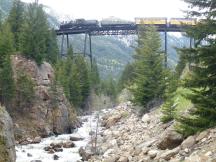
(7,142)
(41,117)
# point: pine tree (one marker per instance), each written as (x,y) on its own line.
(7,85)
(16,21)
(52,47)
(6,43)
(83,76)
(94,74)
(126,77)
(35,33)
(149,82)
(202,80)
(168,108)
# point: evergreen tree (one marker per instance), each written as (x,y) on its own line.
(24,91)
(94,74)
(83,76)
(149,82)
(6,43)
(202,80)
(16,21)
(52,47)
(126,77)
(7,85)
(168,108)
(35,33)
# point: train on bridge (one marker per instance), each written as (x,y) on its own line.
(157,21)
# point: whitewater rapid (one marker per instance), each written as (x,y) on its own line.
(36,151)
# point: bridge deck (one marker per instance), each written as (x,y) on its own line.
(115,30)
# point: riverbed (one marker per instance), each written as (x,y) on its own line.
(34,152)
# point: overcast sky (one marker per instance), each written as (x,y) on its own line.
(124,9)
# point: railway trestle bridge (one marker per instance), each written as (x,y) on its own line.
(107,27)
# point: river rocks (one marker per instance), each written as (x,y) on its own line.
(170,139)
(68,145)
(58,147)
(85,154)
(36,140)
(76,138)
(7,141)
(40,118)
(55,157)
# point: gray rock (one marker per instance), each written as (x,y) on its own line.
(29,155)
(55,157)
(153,153)
(146,118)
(169,153)
(76,138)
(189,142)
(7,141)
(123,159)
(202,135)
(170,139)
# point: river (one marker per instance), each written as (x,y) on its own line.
(34,152)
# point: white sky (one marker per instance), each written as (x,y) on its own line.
(124,9)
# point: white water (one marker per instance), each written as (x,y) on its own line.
(68,155)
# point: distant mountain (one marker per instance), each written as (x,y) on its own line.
(111,52)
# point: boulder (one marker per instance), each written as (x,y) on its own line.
(69,144)
(169,154)
(85,154)
(188,143)
(55,157)
(202,135)
(123,159)
(170,139)
(111,159)
(36,140)
(7,141)
(153,153)
(112,120)
(76,138)
(145,118)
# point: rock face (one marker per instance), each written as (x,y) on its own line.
(7,141)
(42,118)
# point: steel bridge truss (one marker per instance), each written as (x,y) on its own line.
(125,29)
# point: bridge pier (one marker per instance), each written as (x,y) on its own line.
(62,46)
(90,48)
(165,53)
(68,45)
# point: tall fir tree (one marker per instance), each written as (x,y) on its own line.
(16,21)
(35,33)
(6,43)
(7,85)
(52,52)
(202,79)
(149,82)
